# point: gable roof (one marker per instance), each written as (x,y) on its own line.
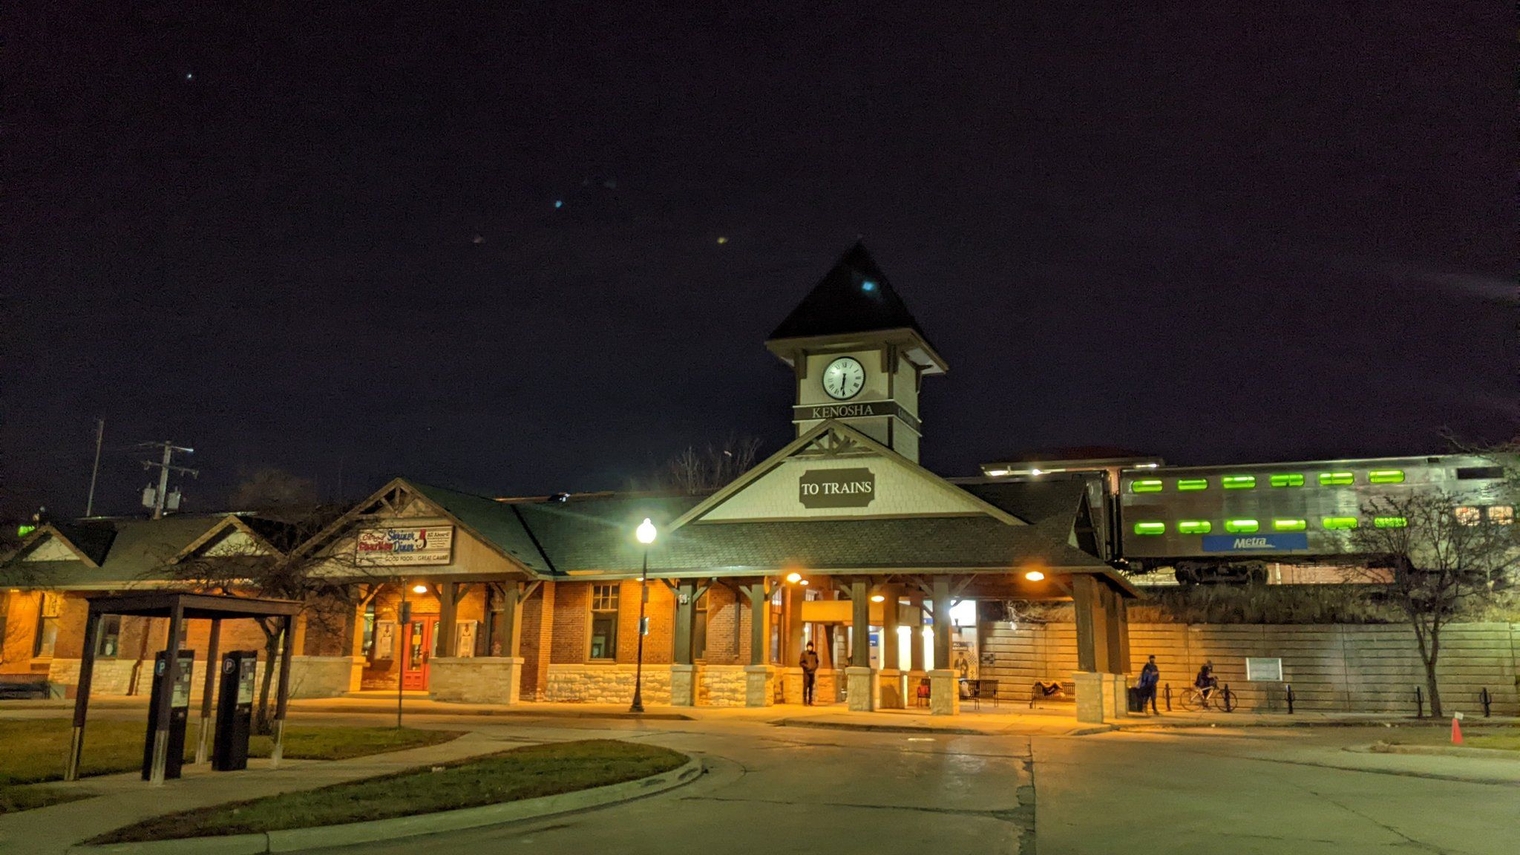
(120,552)
(853,297)
(838,430)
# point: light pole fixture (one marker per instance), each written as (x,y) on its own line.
(1034,576)
(645,533)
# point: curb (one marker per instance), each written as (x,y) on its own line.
(1444,751)
(299,839)
(463,709)
(880,728)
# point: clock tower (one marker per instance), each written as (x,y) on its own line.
(858,355)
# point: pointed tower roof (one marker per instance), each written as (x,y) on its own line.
(852,299)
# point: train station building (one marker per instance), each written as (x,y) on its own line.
(840,539)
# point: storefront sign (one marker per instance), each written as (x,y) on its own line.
(1255,542)
(836,488)
(408,546)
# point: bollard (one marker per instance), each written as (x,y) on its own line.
(1290,699)
(1168,697)
(1419,703)
(1487,699)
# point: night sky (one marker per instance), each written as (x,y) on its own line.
(482,249)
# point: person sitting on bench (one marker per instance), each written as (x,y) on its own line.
(1049,690)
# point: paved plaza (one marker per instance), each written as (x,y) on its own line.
(813,780)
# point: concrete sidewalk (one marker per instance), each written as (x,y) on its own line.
(126,799)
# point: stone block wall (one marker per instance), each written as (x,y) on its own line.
(310,677)
(606,683)
(474,680)
(720,686)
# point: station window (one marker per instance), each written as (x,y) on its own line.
(1339,523)
(1390,522)
(1188,485)
(1150,528)
(1336,479)
(1501,514)
(1288,479)
(1145,485)
(604,621)
(49,610)
(1241,526)
(1470,473)
(1280,524)
(109,641)
(1195,526)
(1385,476)
(1468,516)
(1238,482)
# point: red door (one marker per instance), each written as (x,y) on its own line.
(420,647)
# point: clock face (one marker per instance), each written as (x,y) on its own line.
(843,378)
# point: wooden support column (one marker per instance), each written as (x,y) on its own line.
(213,668)
(448,609)
(860,623)
(686,620)
(1092,646)
(82,692)
(941,595)
(916,635)
(283,697)
(890,657)
(166,696)
(792,608)
(1116,615)
(759,622)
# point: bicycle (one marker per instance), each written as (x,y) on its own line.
(1220,698)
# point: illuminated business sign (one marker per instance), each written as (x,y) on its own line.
(392,547)
(836,488)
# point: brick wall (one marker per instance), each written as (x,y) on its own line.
(572,623)
(726,610)
(536,640)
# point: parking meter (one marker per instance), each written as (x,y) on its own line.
(234,711)
(179,713)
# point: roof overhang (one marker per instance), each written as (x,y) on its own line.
(913,346)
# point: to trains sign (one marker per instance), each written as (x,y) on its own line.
(836,488)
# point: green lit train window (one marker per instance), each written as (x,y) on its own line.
(1241,526)
(1336,479)
(1147,485)
(1385,476)
(1150,528)
(1390,522)
(1238,482)
(1287,479)
(1338,523)
(1195,526)
(1280,524)
(1188,485)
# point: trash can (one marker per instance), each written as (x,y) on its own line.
(1136,699)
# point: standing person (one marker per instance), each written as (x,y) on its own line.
(1150,675)
(809,663)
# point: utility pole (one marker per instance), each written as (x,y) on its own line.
(100,433)
(157,500)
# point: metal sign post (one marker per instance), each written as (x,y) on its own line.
(403,617)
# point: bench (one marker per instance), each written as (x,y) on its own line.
(1051,690)
(15,687)
(977,691)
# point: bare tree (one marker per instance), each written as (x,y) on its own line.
(272,487)
(695,472)
(279,568)
(1435,560)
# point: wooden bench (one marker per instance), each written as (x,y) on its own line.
(980,690)
(1041,690)
(15,687)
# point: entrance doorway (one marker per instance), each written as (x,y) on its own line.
(421,646)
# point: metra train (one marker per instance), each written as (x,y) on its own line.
(1225,523)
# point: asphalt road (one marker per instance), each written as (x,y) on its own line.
(774,789)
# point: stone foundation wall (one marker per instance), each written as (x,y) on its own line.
(606,684)
(310,677)
(475,680)
(720,686)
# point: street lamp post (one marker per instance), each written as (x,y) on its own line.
(645,534)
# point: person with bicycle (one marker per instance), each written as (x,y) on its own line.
(1206,682)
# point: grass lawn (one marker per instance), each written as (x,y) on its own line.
(522,773)
(1505,741)
(35,750)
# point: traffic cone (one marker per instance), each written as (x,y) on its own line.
(1456,729)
